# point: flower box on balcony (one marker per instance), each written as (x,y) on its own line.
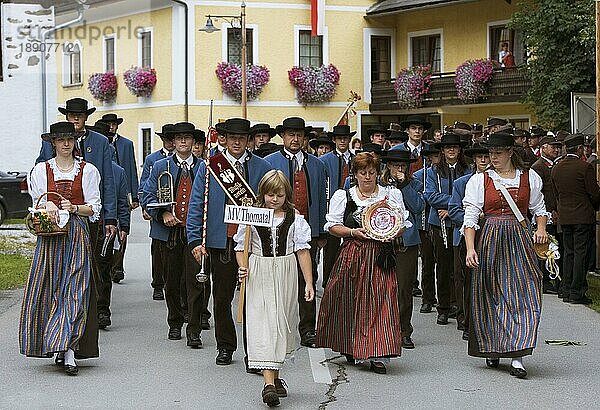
(314,84)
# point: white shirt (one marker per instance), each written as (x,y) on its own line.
(189,160)
(346,155)
(299,156)
(90,183)
(475,195)
(337,205)
(232,160)
(411,147)
(165,152)
(299,236)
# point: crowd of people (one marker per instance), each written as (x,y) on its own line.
(476,204)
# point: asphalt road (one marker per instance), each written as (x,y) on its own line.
(140,368)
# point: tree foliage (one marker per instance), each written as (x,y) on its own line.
(561,42)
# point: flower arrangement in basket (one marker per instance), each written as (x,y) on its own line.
(103,86)
(472,77)
(314,84)
(412,84)
(140,81)
(230,74)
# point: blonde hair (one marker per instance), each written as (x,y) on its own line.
(274,182)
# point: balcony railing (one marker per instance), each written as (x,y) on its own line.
(508,85)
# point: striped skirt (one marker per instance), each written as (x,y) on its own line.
(359,310)
(506,294)
(57,294)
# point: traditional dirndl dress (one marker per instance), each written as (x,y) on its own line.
(506,293)
(60,293)
(271,300)
(359,313)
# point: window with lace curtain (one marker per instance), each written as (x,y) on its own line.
(427,50)
(234,45)
(499,35)
(311,49)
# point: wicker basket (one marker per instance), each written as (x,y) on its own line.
(40,225)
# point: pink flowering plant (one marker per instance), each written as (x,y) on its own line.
(140,81)
(103,86)
(314,84)
(257,77)
(411,86)
(472,78)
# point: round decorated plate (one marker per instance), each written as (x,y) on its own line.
(381,221)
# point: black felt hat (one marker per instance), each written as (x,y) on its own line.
(378,129)
(76,105)
(574,140)
(477,148)
(112,118)
(371,147)
(267,149)
(238,126)
(185,128)
(462,128)
(520,133)
(494,121)
(536,131)
(450,138)
(500,140)
(293,123)
(417,120)
(429,149)
(397,155)
(401,136)
(341,131)
(165,130)
(322,140)
(101,127)
(61,129)
(262,128)
(550,140)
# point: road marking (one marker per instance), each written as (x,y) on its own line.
(320,369)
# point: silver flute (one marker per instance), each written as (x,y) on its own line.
(442,221)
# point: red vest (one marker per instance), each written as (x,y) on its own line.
(417,165)
(184,190)
(345,173)
(494,203)
(71,190)
(301,193)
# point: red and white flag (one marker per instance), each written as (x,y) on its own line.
(317,17)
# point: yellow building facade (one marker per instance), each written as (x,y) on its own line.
(127,34)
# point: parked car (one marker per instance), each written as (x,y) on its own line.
(14,195)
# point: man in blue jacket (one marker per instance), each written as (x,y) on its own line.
(124,157)
(219,236)
(158,282)
(462,275)
(307,176)
(179,262)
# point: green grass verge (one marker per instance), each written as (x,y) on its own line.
(13,270)
(594,291)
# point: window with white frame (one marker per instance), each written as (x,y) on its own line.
(506,45)
(109,54)
(310,49)
(427,50)
(146,48)
(234,45)
(72,64)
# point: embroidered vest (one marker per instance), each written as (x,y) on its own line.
(184,190)
(281,235)
(417,165)
(301,193)
(71,190)
(494,203)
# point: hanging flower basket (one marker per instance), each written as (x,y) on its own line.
(314,84)
(257,77)
(411,86)
(103,86)
(472,78)
(140,81)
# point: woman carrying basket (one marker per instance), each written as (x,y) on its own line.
(58,315)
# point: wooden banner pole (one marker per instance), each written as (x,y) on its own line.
(240,313)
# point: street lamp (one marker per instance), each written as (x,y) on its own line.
(241,19)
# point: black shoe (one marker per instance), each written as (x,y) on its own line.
(59,360)
(281,387)
(417,292)
(407,343)
(460,326)
(175,333)
(308,339)
(566,300)
(452,312)
(71,370)
(442,319)
(378,367)
(550,290)
(205,324)
(224,357)
(517,372)
(157,294)
(118,276)
(194,340)
(103,320)
(269,395)
(350,358)
(583,301)
(492,362)
(426,308)
(253,371)
(465,335)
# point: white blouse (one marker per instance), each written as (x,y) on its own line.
(299,236)
(337,204)
(90,183)
(475,195)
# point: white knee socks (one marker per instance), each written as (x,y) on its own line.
(517,363)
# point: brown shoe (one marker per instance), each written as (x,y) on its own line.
(269,395)
(280,386)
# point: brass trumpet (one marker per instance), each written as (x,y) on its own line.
(164,193)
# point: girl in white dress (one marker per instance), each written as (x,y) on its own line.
(271,306)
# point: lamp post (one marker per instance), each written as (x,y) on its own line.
(241,19)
